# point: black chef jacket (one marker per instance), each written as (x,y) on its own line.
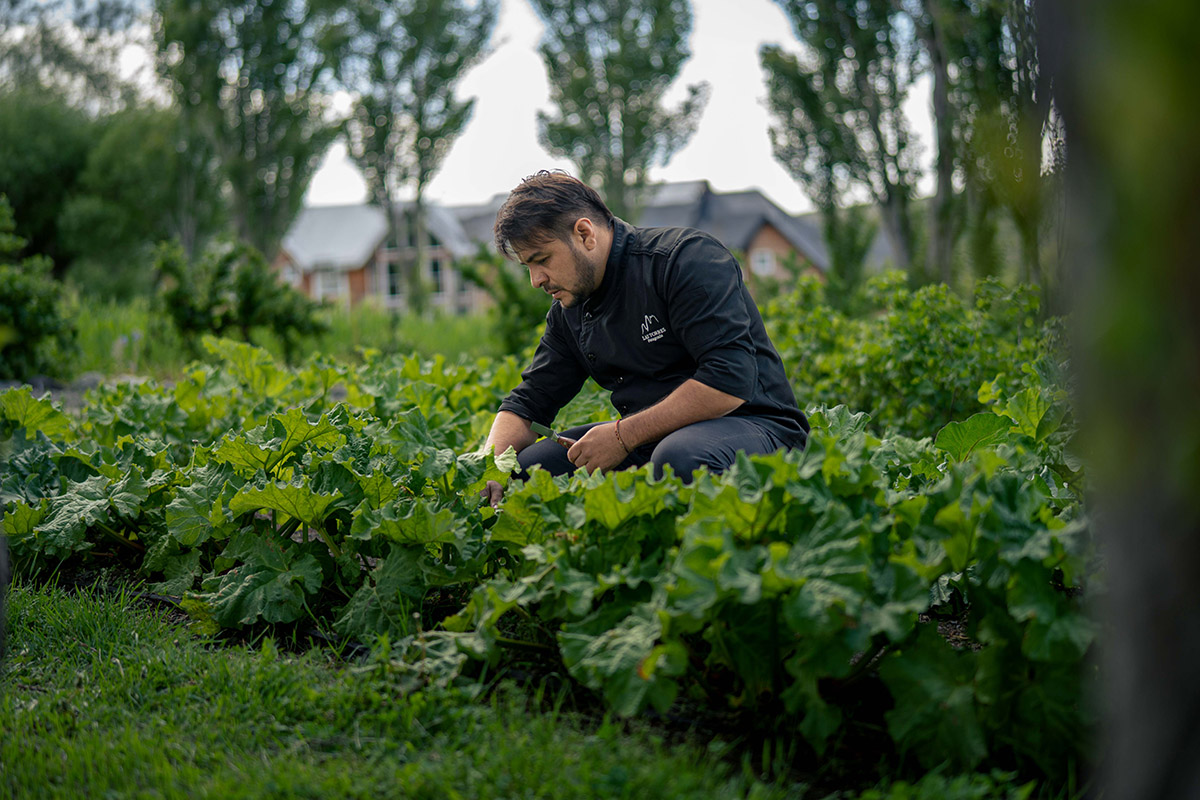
(672,306)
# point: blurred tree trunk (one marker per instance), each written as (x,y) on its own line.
(1125,76)
(943,219)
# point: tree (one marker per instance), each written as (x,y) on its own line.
(1008,114)
(1125,78)
(127,199)
(840,127)
(250,78)
(44,146)
(406,62)
(610,64)
(70,46)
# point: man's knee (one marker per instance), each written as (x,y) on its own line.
(682,455)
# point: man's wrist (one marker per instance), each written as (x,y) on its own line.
(620,439)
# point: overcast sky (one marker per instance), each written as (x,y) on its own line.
(499,146)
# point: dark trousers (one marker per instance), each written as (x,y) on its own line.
(713,443)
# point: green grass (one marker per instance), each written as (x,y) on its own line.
(104,697)
(132,338)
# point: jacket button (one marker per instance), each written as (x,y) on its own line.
(591,356)
(620,379)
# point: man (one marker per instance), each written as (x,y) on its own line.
(658,316)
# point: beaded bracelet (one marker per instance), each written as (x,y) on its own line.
(621,441)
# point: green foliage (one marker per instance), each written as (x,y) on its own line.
(44,144)
(610,66)
(250,79)
(914,360)
(130,196)
(779,589)
(839,116)
(232,288)
(404,63)
(36,337)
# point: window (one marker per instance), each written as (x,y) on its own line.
(437,276)
(395,279)
(762,263)
(329,284)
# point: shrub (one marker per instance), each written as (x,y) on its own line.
(913,360)
(35,336)
(231,288)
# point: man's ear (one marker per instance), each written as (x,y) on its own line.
(585,231)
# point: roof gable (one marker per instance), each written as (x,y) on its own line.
(334,237)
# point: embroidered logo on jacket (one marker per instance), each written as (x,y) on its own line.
(652,329)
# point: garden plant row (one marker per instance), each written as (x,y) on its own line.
(346,498)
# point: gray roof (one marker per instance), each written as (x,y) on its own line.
(345,237)
(334,237)
(734,218)
(479,220)
(444,225)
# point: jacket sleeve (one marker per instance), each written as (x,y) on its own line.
(706,301)
(553,378)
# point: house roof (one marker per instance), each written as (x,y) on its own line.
(345,237)
(734,218)
(334,237)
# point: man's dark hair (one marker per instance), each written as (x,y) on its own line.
(546,206)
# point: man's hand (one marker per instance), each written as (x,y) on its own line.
(492,493)
(598,449)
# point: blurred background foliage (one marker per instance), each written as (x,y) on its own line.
(221,141)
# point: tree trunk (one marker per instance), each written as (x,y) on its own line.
(417,299)
(1135,231)
(942,227)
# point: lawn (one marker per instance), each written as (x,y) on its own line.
(105,695)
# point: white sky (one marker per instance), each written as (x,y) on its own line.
(499,146)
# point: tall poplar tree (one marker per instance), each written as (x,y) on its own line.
(406,61)
(251,78)
(840,127)
(610,65)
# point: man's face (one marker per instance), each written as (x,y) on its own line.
(560,268)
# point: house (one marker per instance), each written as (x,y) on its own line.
(746,222)
(340,253)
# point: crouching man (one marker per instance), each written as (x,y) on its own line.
(658,316)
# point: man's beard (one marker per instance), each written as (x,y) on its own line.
(585,278)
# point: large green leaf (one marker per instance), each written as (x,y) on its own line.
(270,585)
(935,716)
(387,599)
(1033,415)
(619,654)
(86,504)
(298,502)
(960,439)
(422,523)
(23,519)
(267,446)
(21,410)
(198,513)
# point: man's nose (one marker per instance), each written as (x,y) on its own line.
(536,278)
